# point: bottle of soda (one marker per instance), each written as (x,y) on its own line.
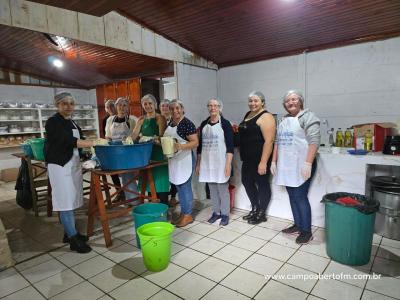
(348,138)
(339,138)
(368,140)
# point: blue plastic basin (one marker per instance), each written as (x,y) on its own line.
(120,157)
(27,149)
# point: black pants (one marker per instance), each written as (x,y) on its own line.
(115,180)
(257,186)
(163,196)
(173,191)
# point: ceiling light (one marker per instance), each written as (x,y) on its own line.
(58,63)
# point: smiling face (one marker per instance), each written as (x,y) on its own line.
(292,104)
(255,103)
(164,109)
(122,108)
(66,107)
(177,112)
(213,108)
(148,106)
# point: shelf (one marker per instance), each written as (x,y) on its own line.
(18,133)
(33,120)
(74,119)
(74,109)
(19,108)
(9,146)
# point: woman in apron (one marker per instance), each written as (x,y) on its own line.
(63,138)
(180,166)
(293,162)
(118,128)
(153,125)
(257,133)
(214,160)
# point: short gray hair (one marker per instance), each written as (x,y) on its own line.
(122,100)
(218,101)
(297,93)
(164,101)
(258,94)
(110,103)
(151,98)
(61,96)
(176,101)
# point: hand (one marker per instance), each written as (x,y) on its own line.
(262,168)
(100,142)
(157,140)
(177,147)
(306,170)
(228,170)
(273,168)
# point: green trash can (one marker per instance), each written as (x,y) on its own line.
(349,229)
(148,213)
(155,239)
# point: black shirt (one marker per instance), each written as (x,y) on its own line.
(60,143)
(228,134)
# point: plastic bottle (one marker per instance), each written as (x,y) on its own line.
(339,138)
(348,138)
(331,139)
(368,140)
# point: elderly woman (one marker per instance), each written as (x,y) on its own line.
(63,138)
(214,159)
(293,163)
(109,107)
(257,133)
(180,166)
(118,128)
(152,125)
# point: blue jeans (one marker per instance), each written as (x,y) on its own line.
(300,204)
(67,218)
(185,194)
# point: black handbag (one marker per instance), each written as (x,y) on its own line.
(23,187)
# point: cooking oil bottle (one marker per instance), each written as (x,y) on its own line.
(348,138)
(339,138)
(368,140)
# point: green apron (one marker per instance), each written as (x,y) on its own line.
(160,174)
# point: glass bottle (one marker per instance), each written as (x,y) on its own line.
(331,139)
(339,138)
(348,138)
(368,140)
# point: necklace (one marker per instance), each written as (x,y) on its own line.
(252,117)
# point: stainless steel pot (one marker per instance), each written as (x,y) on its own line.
(387,222)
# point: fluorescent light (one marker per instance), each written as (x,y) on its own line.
(58,63)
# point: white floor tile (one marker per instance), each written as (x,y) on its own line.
(239,227)
(296,277)
(191,286)
(262,265)
(309,261)
(333,289)
(222,293)
(277,251)
(336,270)
(137,288)
(82,291)
(112,278)
(135,264)
(368,295)
(58,283)
(26,293)
(43,270)
(244,282)
(376,239)
(11,281)
(262,233)
(207,245)
(187,238)
(214,269)
(175,248)
(33,262)
(248,242)
(386,267)
(164,295)
(166,276)
(232,254)
(93,266)
(390,243)
(121,253)
(319,235)
(73,258)
(203,229)
(275,224)
(315,247)
(286,240)
(388,252)
(188,258)
(224,235)
(99,244)
(125,234)
(388,286)
(278,291)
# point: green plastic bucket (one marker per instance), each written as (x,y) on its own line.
(148,213)
(155,239)
(349,234)
(37,146)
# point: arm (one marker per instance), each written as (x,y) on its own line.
(137,128)
(162,125)
(193,142)
(228,134)
(268,127)
(108,127)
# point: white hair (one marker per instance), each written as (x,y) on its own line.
(218,101)
(151,98)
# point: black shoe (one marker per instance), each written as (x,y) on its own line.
(304,238)
(250,215)
(291,230)
(224,220)
(81,236)
(258,218)
(214,218)
(76,244)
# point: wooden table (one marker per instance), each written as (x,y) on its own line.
(40,187)
(98,205)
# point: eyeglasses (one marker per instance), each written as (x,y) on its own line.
(212,105)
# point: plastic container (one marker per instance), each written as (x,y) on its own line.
(349,229)
(120,157)
(148,213)
(156,245)
(37,146)
(27,149)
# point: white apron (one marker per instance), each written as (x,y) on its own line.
(67,182)
(292,153)
(180,165)
(119,131)
(213,154)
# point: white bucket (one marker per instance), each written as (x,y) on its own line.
(167,144)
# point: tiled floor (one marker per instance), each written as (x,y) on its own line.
(208,262)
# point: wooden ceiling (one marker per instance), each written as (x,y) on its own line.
(231,32)
(85,65)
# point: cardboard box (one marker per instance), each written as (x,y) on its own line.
(8,175)
(379,132)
